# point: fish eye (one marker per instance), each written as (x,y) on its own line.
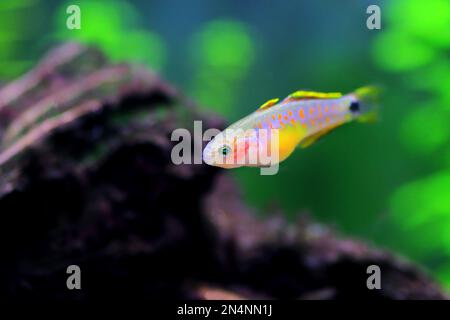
(224,150)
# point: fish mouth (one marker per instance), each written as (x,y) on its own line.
(208,156)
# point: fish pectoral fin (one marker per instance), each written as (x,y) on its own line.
(308,95)
(309,140)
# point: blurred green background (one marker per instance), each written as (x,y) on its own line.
(388,183)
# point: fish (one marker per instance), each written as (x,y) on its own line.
(279,127)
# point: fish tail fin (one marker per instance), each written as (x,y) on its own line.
(368,98)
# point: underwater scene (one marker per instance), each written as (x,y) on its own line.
(130,139)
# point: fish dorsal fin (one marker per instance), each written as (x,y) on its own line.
(306,95)
(268,104)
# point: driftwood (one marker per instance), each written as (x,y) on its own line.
(86,179)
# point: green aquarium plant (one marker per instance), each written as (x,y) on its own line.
(114,27)
(413,48)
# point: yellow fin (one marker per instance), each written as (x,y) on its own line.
(368,100)
(369,117)
(311,139)
(268,104)
(299,95)
(316,136)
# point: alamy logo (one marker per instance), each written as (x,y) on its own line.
(374,280)
(374,20)
(228,149)
(73,21)
(74,280)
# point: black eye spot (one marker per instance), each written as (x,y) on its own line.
(225,150)
(354,106)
